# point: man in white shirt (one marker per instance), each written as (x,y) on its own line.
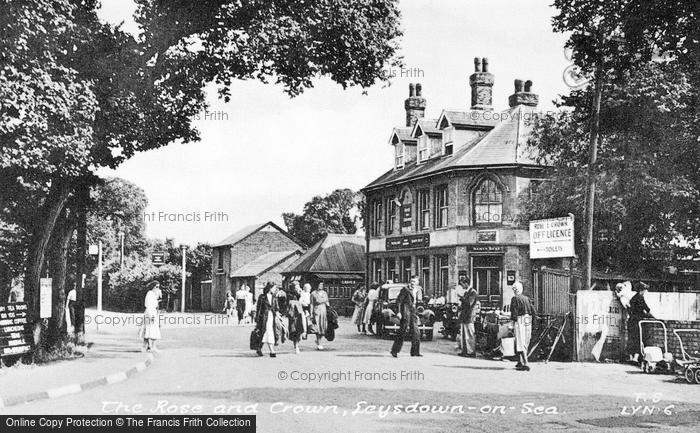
(241,295)
(70,310)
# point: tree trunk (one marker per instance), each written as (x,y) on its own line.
(58,264)
(5,282)
(82,200)
(53,205)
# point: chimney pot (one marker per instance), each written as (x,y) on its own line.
(414,104)
(521,97)
(518,85)
(481,82)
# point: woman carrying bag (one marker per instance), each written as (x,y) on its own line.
(265,313)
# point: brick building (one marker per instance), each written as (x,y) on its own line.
(254,255)
(338,261)
(449,205)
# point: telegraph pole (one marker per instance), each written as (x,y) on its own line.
(593,157)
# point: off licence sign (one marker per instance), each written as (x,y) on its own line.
(551,238)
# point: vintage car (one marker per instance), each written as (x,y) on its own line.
(386,309)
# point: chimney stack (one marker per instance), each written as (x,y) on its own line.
(523,96)
(481,82)
(415,104)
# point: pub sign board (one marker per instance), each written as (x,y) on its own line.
(552,238)
(406,217)
(15,332)
(408,242)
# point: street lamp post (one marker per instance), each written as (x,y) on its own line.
(184,277)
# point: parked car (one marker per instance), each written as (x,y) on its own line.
(387,320)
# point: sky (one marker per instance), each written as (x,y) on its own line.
(264,153)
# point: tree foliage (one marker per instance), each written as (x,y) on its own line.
(336,212)
(648,186)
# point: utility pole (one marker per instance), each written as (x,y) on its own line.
(99,277)
(593,157)
(184,276)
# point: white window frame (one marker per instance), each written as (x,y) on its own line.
(423,148)
(399,157)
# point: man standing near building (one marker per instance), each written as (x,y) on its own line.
(241,295)
(468,312)
(406,304)
(454,295)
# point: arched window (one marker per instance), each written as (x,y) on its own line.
(488,203)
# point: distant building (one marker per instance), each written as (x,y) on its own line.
(449,205)
(254,255)
(338,261)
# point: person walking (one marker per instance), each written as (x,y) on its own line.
(150,329)
(266,310)
(358,298)
(319,307)
(522,312)
(468,312)
(296,315)
(249,305)
(370,302)
(408,319)
(305,299)
(70,310)
(241,295)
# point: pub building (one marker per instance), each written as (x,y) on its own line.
(448,207)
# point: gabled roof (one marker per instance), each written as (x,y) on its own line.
(335,253)
(403,134)
(250,230)
(467,119)
(427,126)
(263,263)
(504,145)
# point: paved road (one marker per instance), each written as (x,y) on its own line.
(355,385)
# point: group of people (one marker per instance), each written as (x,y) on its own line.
(635,307)
(242,303)
(292,315)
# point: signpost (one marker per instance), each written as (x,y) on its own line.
(552,238)
(15,332)
(45,297)
(158,258)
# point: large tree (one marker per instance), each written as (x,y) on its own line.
(614,43)
(336,212)
(84,94)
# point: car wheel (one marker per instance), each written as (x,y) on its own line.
(689,374)
(649,368)
(696,376)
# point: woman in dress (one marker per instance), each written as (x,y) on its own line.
(370,302)
(265,312)
(296,315)
(319,302)
(150,330)
(358,298)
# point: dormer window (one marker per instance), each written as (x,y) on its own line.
(423,149)
(447,140)
(399,152)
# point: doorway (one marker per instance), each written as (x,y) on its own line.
(487,277)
